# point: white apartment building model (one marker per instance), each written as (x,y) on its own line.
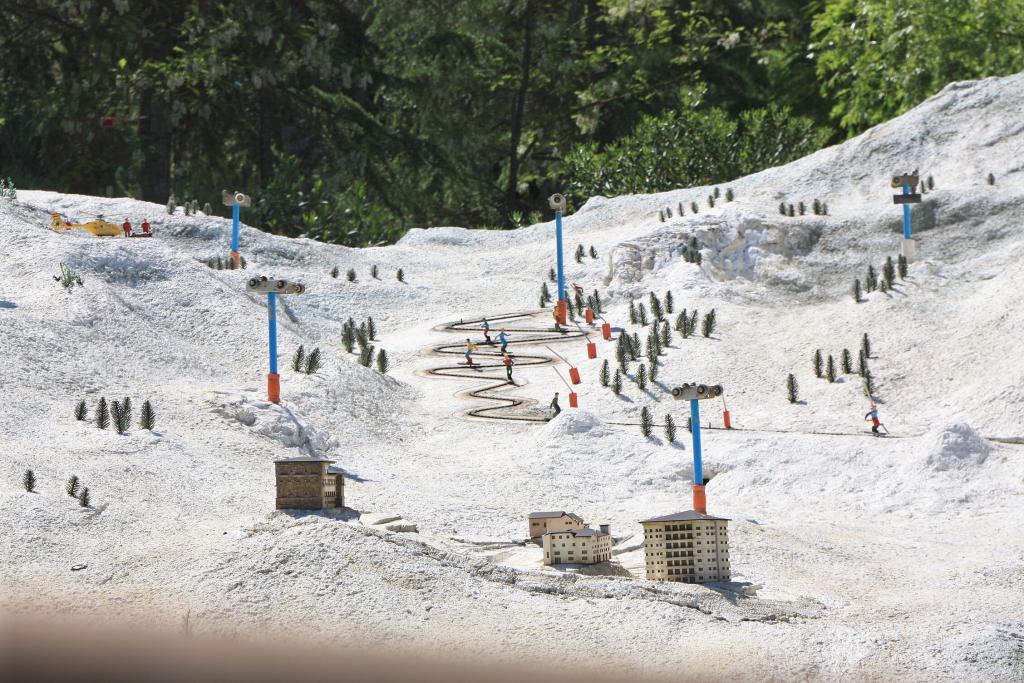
(543,522)
(690,547)
(577,546)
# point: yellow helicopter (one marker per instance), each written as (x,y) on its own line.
(98,226)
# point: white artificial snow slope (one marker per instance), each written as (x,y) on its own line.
(852,556)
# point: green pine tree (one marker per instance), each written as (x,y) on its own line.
(653,374)
(847,362)
(313,361)
(366,356)
(634,346)
(634,317)
(729,195)
(83,497)
(670,424)
(28,480)
(901,266)
(694,208)
(551,275)
(707,328)
(782,208)
(593,252)
(865,345)
(299,358)
(373,272)
(646,422)
(666,335)
(888,272)
(817,361)
(617,383)
(598,306)
(81,412)
(382,362)
(579,253)
(791,388)
(856,291)
(641,377)
(830,369)
(102,414)
(348,337)
(669,304)
(350,275)
(147,416)
(371,328)
(400,274)
(871,281)
(656,309)
(605,376)
(642,314)
(73,486)
(334,272)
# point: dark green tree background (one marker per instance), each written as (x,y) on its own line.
(353,120)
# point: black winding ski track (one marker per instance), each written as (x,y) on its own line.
(508,407)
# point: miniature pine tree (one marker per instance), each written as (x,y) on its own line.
(147,416)
(334,272)
(373,272)
(299,359)
(871,281)
(666,335)
(991,179)
(847,362)
(220,264)
(400,275)
(653,374)
(242,262)
(790,211)
(824,209)
(694,208)
(901,266)
(542,302)
(642,314)
(865,345)
(869,384)
(856,291)
(801,208)
(3,188)
(579,253)
(830,369)
(171,206)
(693,321)
(120,417)
(711,201)
(578,298)
(707,327)
(656,309)
(669,303)
(351,275)
(102,414)
(634,346)
(126,407)
(366,356)
(652,348)
(791,388)
(661,216)
(545,293)
(551,274)
(670,424)
(28,480)
(361,337)
(641,377)
(621,353)
(679,207)
(646,422)
(605,375)
(717,193)
(689,424)
(188,208)
(931,182)
(597,303)
(348,337)
(782,208)
(617,383)
(729,196)
(83,497)
(862,363)
(207,209)
(593,252)
(817,362)
(313,361)
(634,318)
(371,328)
(883,287)
(888,272)
(73,486)
(81,412)
(382,362)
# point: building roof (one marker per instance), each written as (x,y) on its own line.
(688,516)
(555,515)
(305,459)
(334,469)
(579,532)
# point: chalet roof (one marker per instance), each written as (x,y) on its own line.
(555,515)
(334,469)
(579,532)
(305,458)
(688,516)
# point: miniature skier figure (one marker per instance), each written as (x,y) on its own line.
(507,360)
(127,227)
(555,407)
(503,338)
(875,423)
(487,331)
(554,314)
(470,348)
(145,226)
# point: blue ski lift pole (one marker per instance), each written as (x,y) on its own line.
(264,285)
(906,214)
(235,210)
(236,200)
(907,181)
(557,202)
(698,467)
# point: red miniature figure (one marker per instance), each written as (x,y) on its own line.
(127,227)
(145,226)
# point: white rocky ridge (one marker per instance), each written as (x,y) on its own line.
(852,556)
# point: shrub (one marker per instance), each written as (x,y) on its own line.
(147,416)
(641,377)
(617,383)
(334,272)
(400,275)
(670,424)
(102,414)
(313,362)
(299,359)
(382,362)
(350,275)
(83,497)
(605,374)
(792,388)
(830,369)
(73,486)
(373,272)
(28,480)
(856,291)
(707,327)
(817,363)
(646,423)
(81,412)
(669,304)
(847,362)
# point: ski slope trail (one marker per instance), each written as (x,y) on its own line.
(508,407)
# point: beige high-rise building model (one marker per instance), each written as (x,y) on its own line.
(543,522)
(309,484)
(577,546)
(690,547)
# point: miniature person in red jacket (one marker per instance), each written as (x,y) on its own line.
(127,227)
(507,360)
(145,226)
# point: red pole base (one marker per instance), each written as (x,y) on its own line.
(589,315)
(574,375)
(591,350)
(573,400)
(236,259)
(700,501)
(606,331)
(726,419)
(274,388)
(560,311)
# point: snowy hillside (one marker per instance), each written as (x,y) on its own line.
(851,556)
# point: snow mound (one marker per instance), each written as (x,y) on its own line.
(956,446)
(573,423)
(276,422)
